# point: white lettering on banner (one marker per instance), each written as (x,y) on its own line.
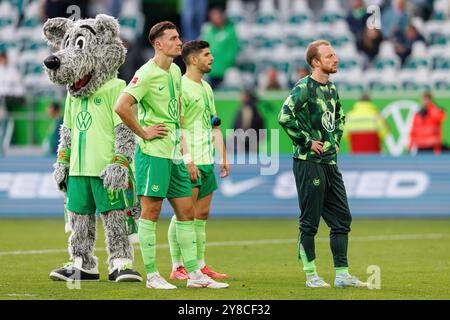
(365,184)
(403,125)
(5,181)
(23,185)
(407,184)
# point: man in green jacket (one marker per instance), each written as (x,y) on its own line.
(224,44)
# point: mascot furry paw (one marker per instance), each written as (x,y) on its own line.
(95,149)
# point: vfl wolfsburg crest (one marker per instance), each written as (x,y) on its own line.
(84,120)
(316,182)
(328,121)
(155,188)
(173,108)
(97,100)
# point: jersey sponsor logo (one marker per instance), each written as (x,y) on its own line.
(83,120)
(328,121)
(155,187)
(134,81)
(173,108)
(98,100)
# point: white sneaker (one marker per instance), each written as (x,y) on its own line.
(348,281)
(155,281)
(206,282)
(316,282)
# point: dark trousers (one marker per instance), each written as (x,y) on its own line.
(321,193)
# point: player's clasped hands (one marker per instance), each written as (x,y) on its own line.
(156,131)
(317,147)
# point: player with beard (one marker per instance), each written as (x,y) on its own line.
(199,123)
(313,118)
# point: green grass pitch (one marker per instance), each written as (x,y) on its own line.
(260,254)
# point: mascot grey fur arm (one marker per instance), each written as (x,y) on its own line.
(115,176)
(89,53)
(61,172)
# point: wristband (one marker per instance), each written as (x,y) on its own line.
(121,159)
(187,158)
(63,156)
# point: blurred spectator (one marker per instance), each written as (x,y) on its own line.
(365,127)
(404,42)
(224,44)
(357,17)
(11,82)
(426,129)
(369,44)
(300,73)
(247,118)
(422,8)
(271,81)
(52,139)
(193,15)
(394,18)
(133,60)
(58,8)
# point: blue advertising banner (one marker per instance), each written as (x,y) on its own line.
(376,186)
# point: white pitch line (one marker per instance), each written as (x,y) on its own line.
(392,237)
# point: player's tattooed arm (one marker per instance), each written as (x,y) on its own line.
(62,165)
(116,175)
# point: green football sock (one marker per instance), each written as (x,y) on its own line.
(200,231)
(341,271)
(175,251)
(187,240)
(308,266)
(147,242)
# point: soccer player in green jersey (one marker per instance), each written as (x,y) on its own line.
(197,116)
(313,118)
(160,172)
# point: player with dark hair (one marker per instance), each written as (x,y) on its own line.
(200,123)
(313,118)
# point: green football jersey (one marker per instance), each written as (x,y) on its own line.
(197,107)
(158,93)
(313,112)
(92,121)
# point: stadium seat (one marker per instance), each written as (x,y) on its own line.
(386,58)
(331,12)
(440,10)
(300,12)
(414,80)
(349,80)
(236,12)
(381,80)
(232,80)
(131,20)
(419,57)
(266,13)
(435,33)
(440,80)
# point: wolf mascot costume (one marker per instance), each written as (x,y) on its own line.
(95,149)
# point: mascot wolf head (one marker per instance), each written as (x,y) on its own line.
(90,53)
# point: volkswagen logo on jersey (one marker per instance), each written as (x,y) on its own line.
(84,120)
(328,121)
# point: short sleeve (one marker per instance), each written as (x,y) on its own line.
(138,86)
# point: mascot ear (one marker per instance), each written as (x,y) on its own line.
(55,29)
(105,23)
